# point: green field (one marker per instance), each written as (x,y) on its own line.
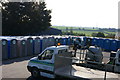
(84,30)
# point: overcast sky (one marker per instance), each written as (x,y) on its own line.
(85,13)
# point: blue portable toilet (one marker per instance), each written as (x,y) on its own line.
(113,45)
(30,46)
(94,41)
(4,49)
(118,44)
(37,45)
(22,47)
(64,41)
(56,41)
(44,43)
(12,48)
(41,39)
(106,44)
(69,41)
(85,40)
(59,40)
(100,42)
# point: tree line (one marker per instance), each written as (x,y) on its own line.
(24,18)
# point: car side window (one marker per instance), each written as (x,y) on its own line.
(62,51)
(47,55)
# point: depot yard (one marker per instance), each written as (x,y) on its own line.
(17,69)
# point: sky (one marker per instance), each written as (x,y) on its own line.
(84,13)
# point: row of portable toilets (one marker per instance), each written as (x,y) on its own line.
(105,44)
(14,47)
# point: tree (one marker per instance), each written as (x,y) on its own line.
(94,34)
(71,30)
(110,36)
(99,34)
(24,18)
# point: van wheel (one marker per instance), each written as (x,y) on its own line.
(35,72)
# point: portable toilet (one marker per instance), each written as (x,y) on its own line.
(64,41)
(100,42)
(69,41)
(13,48)
(4,49)
(30,46)
(22,47)
(51,41)
(118,44)
(60,40)
(88,41)
(106,44)
(37,45)
(113,45)
(56,41)
(41,39)
(94,41)
(44,43)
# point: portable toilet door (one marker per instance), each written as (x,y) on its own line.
(22,46)
(94,41)
(64,41)
(13,48)
(51,41)
(89,41)
(44,43)
(106,44)
(60,40)
(69,41)
(113,45)
(30,46)
(4,49)
(56,41)
(118,44)
(37,45)
(100,42)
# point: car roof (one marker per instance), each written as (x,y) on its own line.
(58,47)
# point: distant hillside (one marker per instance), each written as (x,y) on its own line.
(86,30)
